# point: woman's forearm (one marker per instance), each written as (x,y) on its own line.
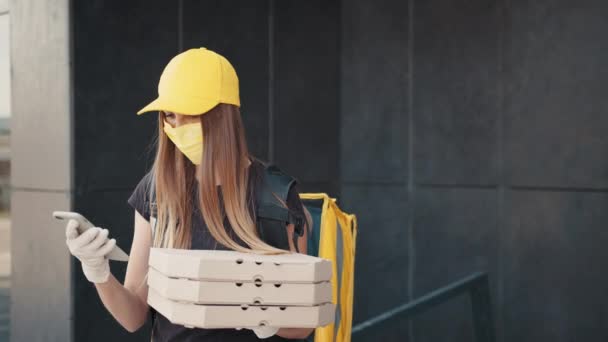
(295,333)
(126,307)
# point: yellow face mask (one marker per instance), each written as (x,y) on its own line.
(188,139)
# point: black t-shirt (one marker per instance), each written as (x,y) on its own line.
(162,329)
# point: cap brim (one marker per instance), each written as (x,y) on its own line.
(151,107)
(200,106)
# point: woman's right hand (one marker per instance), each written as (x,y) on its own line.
(91,248)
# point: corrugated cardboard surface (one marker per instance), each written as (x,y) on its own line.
(213,292)
(233,316)
(236,266)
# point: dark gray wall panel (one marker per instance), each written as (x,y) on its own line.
(374,93)
(456,59)
(556,122)
(306,88)
(393,330)
(455,234)
(330,188)
(119,50)
(382,253)
(555,273)
(238,30)
(92,322)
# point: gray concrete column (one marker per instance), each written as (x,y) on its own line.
(41,173)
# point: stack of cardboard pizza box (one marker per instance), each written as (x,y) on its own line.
(227,289)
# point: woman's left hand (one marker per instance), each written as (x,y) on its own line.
(265,332)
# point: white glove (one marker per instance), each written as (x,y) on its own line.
(91,249)
(265,332)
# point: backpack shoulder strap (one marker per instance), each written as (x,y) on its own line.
(272,215)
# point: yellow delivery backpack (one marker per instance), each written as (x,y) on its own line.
(332,236)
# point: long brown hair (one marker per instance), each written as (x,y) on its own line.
(225,158)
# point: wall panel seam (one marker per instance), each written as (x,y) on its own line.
(180,25)
(500,194)
(411,185)
(271,86)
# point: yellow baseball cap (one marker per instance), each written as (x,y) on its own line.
(194,82)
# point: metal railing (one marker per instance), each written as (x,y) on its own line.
(476,286)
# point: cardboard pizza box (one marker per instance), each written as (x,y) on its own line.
(235,316)
(216,265)
(235,293)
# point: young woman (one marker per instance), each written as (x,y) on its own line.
(199,194)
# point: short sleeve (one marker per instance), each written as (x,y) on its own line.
(140,198)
